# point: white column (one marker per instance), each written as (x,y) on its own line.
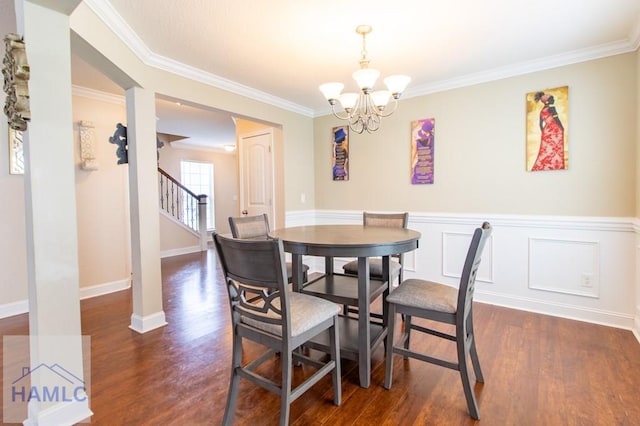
(145,220)
(50,205)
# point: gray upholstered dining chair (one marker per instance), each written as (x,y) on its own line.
(390,220)
(445,304)
(257,227)
(263,310)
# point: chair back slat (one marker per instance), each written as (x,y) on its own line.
(388,220)
(250,227)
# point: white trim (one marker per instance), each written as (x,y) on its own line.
(106,288)
(617,280)
(569,58)
(14,308)
(178,251)
(178,223)
(64,413)
(556,309)
(22,306)
(107,14)
(97,95)
(147,323)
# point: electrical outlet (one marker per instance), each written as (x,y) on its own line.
(587,280)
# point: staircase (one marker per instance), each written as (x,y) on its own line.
(183,206)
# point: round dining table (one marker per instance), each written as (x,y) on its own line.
(358,336)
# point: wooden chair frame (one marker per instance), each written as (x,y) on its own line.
(462,319)
(261,311)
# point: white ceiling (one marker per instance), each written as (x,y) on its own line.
(280,51)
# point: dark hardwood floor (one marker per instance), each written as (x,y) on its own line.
(539,370)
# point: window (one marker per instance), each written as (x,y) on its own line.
(198,177)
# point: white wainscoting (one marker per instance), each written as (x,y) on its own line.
(580,268)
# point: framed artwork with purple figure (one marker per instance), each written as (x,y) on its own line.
(340,153)
(422,145)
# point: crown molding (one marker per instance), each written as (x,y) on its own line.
(97,95)
(110,17)
(569,58)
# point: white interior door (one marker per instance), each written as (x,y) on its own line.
(256,175)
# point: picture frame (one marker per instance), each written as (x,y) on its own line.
(422,151)
(16,152)
(340,153)
(547,146)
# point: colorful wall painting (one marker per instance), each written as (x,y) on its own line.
(422,151)
(547,129)
(340,153)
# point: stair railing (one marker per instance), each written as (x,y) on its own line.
(183,205)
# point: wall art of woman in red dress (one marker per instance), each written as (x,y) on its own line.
(551,153)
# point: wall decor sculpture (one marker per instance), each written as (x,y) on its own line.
(422,150)
(16,78)
(119,138)
(547,124)
(340,153)
(87,146)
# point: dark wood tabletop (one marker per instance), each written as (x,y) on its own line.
(347,240)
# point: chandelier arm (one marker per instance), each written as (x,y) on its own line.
(335,113)
(387,113)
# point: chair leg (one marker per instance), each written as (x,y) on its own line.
(388,371)
(473,351)
(335,356)
(469,394)
(407,333)
(286,358)
(232,397)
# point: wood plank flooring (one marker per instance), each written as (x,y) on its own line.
(539,370)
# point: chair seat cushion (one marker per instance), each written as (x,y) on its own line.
(306,312)
(375,268)
(425,295)
(289,265)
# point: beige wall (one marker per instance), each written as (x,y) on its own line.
(297,129)
(480,150)
(225,180)
(13,260)
(102,198)
(638,142)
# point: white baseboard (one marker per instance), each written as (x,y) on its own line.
(519,274)
(106,288)
(148,323)
(545,307)
(14,308)
(179,251)
(22,306)
(67,413)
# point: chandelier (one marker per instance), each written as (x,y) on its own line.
(364,110)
